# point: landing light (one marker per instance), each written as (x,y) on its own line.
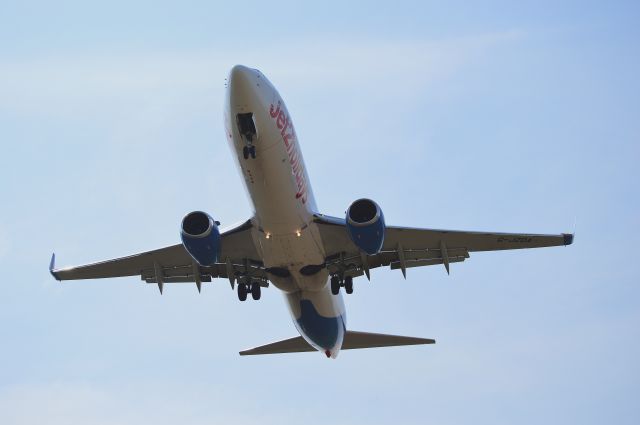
(298,233)
(267,235)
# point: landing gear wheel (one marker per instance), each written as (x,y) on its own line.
(255,291)
(245,152)
(242,292)
(348,284)
(252,151)
(335,285)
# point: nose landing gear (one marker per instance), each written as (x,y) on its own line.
(247,129)
(249,150)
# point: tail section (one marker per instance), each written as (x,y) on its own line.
(352,340)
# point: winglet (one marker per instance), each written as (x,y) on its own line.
(568,238)
(52,266)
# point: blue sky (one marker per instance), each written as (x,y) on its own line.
(493,116)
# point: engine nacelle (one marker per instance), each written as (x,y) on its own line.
(365,224)
(201,237)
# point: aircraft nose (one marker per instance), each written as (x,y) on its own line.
(240,82)
(239,73)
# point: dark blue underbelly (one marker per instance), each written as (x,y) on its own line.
(323,331)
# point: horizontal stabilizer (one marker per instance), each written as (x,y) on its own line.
(352,340)
(291,345)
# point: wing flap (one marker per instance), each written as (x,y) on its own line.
(420,263)
(179,279)
(385,258)
(183,273)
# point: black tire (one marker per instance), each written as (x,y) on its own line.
(245,152)
(348,284)
(252,151)
(335,285)
(255,291)
(242,292)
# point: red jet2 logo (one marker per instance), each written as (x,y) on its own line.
(289,138)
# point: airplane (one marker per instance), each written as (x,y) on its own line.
(309,256)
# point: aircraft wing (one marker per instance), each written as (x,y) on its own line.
(406,247)
(174,264)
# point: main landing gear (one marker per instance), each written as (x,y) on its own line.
(244,289)
(337,283)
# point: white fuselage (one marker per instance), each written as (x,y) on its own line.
(284,233)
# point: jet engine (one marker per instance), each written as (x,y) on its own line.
(365,224)
(201,237)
